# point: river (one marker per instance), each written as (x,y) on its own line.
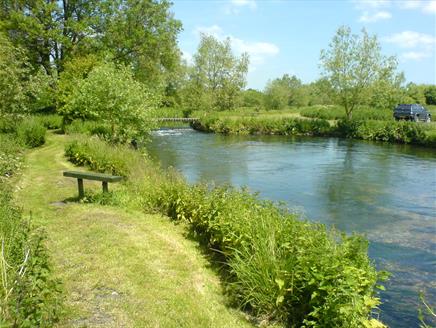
(385,191)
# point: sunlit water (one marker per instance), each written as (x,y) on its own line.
(387,192)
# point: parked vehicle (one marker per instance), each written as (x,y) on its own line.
(411,112)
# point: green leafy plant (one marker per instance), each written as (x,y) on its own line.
(260,125)
(29,295)
(31,132)
(111,96)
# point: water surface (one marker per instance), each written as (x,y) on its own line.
(387,192)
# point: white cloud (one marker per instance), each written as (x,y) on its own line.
(410,4)
(411,39)
(187,56)
(257,51)
(373,10)
(420,45)
(415,55)
(244,3)
(426,6)
(371,4)
(374,17)
(430,7)
(234,7)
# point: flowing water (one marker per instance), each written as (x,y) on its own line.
(387,192)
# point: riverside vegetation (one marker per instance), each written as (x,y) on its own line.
(367,124)
(276,266)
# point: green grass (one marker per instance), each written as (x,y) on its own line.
(119,267)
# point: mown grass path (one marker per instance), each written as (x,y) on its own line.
(118,268)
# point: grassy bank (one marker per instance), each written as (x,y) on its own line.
(119,267)
(368,129)
(29,294)
(274,265)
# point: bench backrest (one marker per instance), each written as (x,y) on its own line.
(93,176)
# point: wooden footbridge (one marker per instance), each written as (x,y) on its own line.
(177,119)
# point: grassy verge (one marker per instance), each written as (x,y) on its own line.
(29,295)
(376,130)
(119,267)
(275,266)
(270,126)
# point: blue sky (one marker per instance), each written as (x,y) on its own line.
(286,36)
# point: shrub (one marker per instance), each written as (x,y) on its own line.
(112,96)
(50,122)
(10,156)
(261,125)
(278,266)
(31,132)
(94,153)
(337,112)
(9,123)
(88,127)
(391,131)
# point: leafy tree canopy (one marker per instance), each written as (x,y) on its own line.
(217,76)
(141,34)
(285,91)
(352,65)
(112,96)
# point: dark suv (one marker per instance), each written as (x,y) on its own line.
(411,112)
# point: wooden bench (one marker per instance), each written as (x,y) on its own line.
(80,176)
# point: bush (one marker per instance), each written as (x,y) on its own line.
(277,266)
(50,122)
(9,123)
(111,95)
(391,131)
(10,156)
(29,296)
(88,127)
(94,153)
(337,113)
(259,125)
(31,132)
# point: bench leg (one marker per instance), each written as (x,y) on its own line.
(105,186)
(81,190)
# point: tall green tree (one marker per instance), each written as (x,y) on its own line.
(139,33)
(415,93)
(13,71)
(20,91)
(430,95)
(285,91)
(252,98)
(217,75)
(352,64)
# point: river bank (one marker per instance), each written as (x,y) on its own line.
(381,190)
(115,266)
(277,267)
(374,130)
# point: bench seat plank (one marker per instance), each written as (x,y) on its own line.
(92,176)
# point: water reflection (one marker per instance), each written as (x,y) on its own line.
(387,192)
